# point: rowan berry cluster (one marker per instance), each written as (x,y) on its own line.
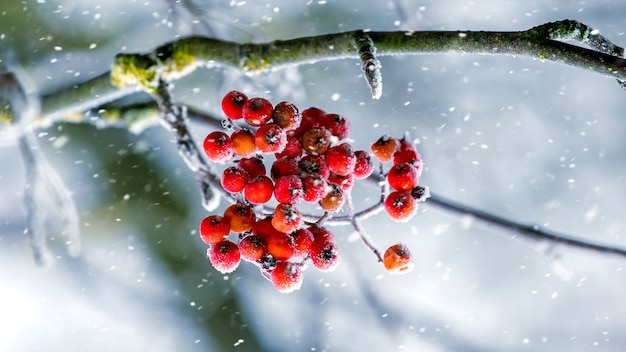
(402,177)
(312,162)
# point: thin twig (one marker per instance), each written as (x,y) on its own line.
(529,232)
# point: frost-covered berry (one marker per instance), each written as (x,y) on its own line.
(257,111)
(302,240)
(263,228)
(280,245)
(234,179)
(384,148)
(270,138)
(284,167)
(213,229)
(259,190)
(345,182)
(254,166)
(240,217)
(333,199)
(402,177)
(243,142)
(218,146)
(293,149)
(252,248)
(286,115)
(233,103)
(324,250)
(314,164)
(364,166)
(313,187)
(287,218)
(288,189)
(316,140)
(224,256)
(340,159)
(397,259)
(286,277)
(407,153)
(338,125)
(310,118)
(400,206)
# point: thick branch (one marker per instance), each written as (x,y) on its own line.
(177,59)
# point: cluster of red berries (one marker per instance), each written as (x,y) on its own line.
(313,163)
(402,177)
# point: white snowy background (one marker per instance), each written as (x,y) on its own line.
(533,141)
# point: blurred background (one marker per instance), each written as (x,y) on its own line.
(533,141)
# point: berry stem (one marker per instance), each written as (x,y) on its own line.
(174,117)
(356,224)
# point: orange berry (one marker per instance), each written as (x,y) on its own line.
(280,245)
(385,147)
(334,199)
(240,217)
(243,143)
(397,259)
(287,218)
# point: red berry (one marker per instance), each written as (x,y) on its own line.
(302,241)
(213,229)
(233,103)
(397,259)
(293,149)
(287,218)
(310,118)
(284,167)
(257,111)
(338,125)
(218,146)
(263,228)
(280,245)
(324,250)
(224,256)
(259,190)
(270,138)
(314,164)
(316,140)
(333,200)
(402,177)
(364,165)
(286,115)
(340,159)
(243,142)
(254,166)
(286,277)
(234,179)
(384,148)
(288,189)
(252,248)
(400,206)
(313,187)
(240,217)
(345,182)
(406,156)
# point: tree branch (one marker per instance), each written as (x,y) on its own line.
(176,59)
